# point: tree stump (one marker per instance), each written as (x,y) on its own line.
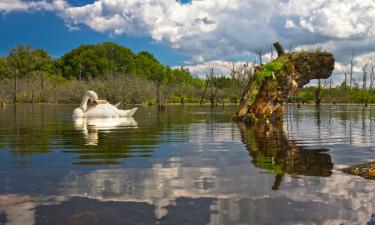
(273,83)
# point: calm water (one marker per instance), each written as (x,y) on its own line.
(187,165)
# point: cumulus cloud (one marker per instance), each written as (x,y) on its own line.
(19,5)
(220,67)
(213,30)
(13,5)
(334,18)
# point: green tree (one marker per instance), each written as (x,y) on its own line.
(5,71)
(20,62)
(42,69)
(92,61)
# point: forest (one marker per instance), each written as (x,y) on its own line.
(116,73)
(30,75)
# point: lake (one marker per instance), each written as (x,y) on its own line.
(186,165)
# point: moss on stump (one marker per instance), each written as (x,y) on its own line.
(273,83)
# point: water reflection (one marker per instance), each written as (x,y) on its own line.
(272,151)
(90,127)
(203,169)
(18,209)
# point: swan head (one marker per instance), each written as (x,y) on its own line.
(92,95)
(89,95)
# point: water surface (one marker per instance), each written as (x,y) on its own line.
(187,165)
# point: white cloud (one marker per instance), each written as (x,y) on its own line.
(333,18)
(220,68)
(12,5)
(19,5)
(216,30)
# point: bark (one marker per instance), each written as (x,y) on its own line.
(273,83)
(279,49)
(15,89)
(204,92)
(317,94)
(158,94)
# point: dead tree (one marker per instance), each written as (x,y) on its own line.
(205,89)
(351,70)
(318,95)
(273,83)
(231,66)
(259,53)
(372,67)
(213,87)
(364,77)
(346,76)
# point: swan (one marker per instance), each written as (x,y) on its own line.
(100,108)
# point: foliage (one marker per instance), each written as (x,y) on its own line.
(114,71)
(119,74)
(338,94)
(269,70)
(4,68)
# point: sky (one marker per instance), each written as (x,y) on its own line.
(198,34)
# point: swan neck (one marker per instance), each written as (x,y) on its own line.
(83,105)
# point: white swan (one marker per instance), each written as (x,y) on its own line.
(101,109)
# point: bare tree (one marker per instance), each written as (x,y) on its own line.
(351,70)
(372,68)
(231,66)
(290,47)
(205,88)
(346,76)
(364,78)
(318,96)
(355,83)
(259,53)
(213,87)
(244,72)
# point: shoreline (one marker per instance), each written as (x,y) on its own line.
(176,104)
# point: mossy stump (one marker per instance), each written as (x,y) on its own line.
(366,170)
(273,83)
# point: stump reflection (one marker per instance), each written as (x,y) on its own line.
(273,152)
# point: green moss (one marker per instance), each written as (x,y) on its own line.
(269,70)
(253,96)
(318,49)
(266,162)
(251,117)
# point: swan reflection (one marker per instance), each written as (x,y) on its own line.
(90,127)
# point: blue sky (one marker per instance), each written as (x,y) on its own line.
(198,34)
(46,30)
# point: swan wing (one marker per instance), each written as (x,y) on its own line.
(102,111)
(108,110)
(127,113)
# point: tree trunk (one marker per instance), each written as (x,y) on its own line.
(32,95)
(15,89)
(273,83)
(158,94)
(204,92)
(317,94)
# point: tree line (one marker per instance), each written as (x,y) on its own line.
(116,72)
